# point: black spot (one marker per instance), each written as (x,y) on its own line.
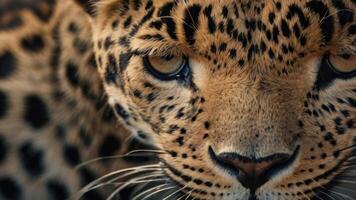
(33,43)
(223,47)
(72,74)
(156,24)
(108,43)
(211,22)
(191,19)
(128,22)
(180,141)
(3,149)
(294,9)
(165,16)
(114,24)
(124,60)
(9,189)
(326,19)
(271,17)
(285,28)
(73,28)
(57,190)
(4,104)
(31,159)
(7,64)
(111,70)
(109,146)
(121,111)
(71,155)
(275,34)
(345,15)
(225,12)
(36,112)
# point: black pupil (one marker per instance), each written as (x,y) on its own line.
(167,57)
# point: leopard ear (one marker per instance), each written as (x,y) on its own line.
(89,6)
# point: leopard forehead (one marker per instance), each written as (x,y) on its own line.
(263,33)
(254,66)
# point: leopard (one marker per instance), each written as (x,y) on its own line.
(235,99)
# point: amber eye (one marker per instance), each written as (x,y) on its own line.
(335,67)
(343,64)
(167,67)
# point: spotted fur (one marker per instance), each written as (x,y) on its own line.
(258,86)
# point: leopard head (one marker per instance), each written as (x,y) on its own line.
(248,99)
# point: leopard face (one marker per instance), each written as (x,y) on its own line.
(249,99)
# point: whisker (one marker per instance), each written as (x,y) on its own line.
(125,185)
(345,181)
(322,187)
(158,191)
(134,183)
(134,169)
(181,189)
(188,193)
(147,150)
(120,156)
(131,173)
(114,181)
(149,190)
(338,194)
(344,188)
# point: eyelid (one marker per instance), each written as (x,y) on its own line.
(159,50)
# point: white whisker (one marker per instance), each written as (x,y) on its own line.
(119,183)
(149,190)
(158,191)
(345,181)
(132,181)
(119,156)
(175,193)
(187,194)
(135,170)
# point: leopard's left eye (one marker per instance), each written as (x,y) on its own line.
(343,64)
(334,67)
(167,67)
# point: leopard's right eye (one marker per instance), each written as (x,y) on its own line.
(167,67)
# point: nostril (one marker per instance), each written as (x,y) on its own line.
(251,166)
(252,173)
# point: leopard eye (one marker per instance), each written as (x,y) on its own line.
(335,67)
(167,67)
(343,64)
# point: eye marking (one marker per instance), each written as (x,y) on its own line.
(167,68)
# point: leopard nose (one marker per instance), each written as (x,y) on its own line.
(252,173)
